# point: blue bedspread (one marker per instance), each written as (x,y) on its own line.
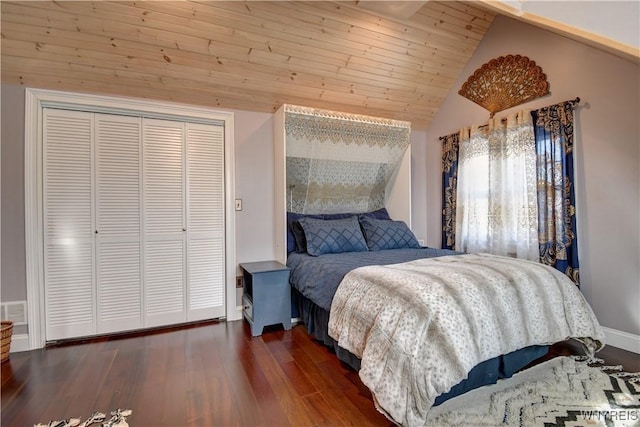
(318,277)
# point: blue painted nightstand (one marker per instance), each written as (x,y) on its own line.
(267,295)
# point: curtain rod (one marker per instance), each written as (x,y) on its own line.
(574,102)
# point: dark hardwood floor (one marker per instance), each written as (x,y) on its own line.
(212,374)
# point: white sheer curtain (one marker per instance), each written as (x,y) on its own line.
(496,196)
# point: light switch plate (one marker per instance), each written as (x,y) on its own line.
(238,204)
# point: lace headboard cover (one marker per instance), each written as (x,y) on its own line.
(340,162)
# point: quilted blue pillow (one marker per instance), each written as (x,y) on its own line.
(334,236)
(295,234)
(385,234)
(296,242)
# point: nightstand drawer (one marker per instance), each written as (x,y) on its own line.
(247,307)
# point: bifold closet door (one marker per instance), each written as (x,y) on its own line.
(164,222)
(205,225)
(184,222)
(133,222)
(91,200)
(68,226)
(118,223)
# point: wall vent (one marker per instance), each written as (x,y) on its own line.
(16,311)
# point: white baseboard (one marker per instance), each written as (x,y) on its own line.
(19,343)
(623,340)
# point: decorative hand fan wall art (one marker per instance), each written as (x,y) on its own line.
(505,82)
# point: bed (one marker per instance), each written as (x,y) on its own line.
(357,279)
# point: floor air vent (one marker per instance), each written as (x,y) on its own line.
(16,311)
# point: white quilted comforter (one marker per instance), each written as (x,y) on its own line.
(420,327)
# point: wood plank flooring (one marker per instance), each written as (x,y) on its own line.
(212,374)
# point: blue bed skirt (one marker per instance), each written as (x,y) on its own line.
(316,320)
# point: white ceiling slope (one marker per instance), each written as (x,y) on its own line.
(610,25)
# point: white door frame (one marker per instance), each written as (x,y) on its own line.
(35,101)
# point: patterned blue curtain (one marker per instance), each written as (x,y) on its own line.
(557,233)
(450,148)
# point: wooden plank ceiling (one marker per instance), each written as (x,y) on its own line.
(245,55)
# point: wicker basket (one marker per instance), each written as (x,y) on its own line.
(7,331)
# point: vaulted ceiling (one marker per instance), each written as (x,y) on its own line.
(246,55)
(393,59)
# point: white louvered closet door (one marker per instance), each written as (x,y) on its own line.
(68,227)
(133,222)
(164,223)
(118,223)
(205,225)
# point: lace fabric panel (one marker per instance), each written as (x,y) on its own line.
(497,199)
(339,162)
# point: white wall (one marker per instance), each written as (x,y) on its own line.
(607,156)
(616,20)
(13,276)
(255,234)
(254,180)
(419,173)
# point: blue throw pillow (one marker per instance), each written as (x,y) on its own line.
(381,213)
(333,236)
(296,241)
(298,235)
(386,234)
